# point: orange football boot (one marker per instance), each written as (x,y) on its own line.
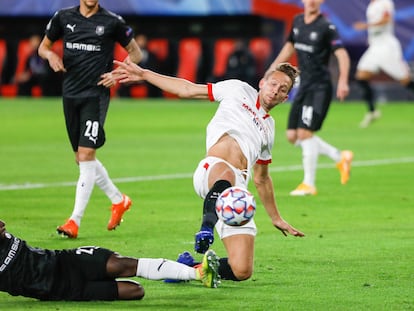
(118,211)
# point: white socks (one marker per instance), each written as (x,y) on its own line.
(106,185)
(91,172)
(311,148)
(84,187)
(158,269)
(309,160)
(327,149)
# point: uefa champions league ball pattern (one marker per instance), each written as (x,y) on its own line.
(235,206)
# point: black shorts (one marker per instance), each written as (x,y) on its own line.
(310,107)
(85,118)
(82,275)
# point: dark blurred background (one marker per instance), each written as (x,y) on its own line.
(195,38)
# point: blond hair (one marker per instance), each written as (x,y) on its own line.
(291,71)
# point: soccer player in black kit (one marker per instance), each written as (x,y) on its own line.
(87,273)
(89,33)
(314,39)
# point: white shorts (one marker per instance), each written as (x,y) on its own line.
(200,177)
(386,56)
(224,230)
(200,182)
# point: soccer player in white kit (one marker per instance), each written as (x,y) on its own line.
(383,54)
(239,140)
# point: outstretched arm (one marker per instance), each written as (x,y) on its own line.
(342,89)
(264,186)
(45,51)
(134,55)
(134,51)
(128,72)
(386,18)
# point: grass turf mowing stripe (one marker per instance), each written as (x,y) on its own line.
(366,163)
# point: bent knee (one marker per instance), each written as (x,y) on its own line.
(139,293)
(242,274)
(130,290)
(291,136)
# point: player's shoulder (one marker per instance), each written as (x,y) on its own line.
(66,13)
(299,19)
(232,88)
(235,84)
(323,19)
(68,10)
(324,22)
(110,14)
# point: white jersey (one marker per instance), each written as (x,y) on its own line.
(384,51)
(375,12)
(241,116)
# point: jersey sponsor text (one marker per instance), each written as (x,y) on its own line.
(83,47)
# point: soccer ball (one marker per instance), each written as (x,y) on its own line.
(235,206)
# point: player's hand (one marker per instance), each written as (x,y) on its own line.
(342,90)
(128,72)
(360,25)
(285,228)
(55,62)
(107,80)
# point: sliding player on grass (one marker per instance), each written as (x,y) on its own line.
(239,140)
(87,273)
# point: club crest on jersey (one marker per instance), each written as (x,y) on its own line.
(100,30)
(313,35)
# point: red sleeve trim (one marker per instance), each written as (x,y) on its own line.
(264,162)
(210,91)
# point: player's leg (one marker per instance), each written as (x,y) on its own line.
(292,135)
(120,202)
(104,182)
(213,177)
(309,162)
(150,268)
(130,290)
(208,270)
(118,266)
(86,181)
(85,135)
(363,78)
(368,66)
(239,264)
(304,117)
(343,159)
(396,67)
(85,269)
(239,244)
(112,290)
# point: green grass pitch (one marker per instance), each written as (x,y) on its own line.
(358,253)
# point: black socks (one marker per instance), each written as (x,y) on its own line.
(225,271)
(367,94)
(209,209)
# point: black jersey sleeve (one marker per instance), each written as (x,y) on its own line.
(54,30)
(124,33)
(334,38)
(290,37)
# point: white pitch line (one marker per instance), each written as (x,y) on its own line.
(4,187)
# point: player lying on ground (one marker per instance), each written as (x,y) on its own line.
(87,273)
(240,138)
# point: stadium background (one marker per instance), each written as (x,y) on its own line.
(186,32)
